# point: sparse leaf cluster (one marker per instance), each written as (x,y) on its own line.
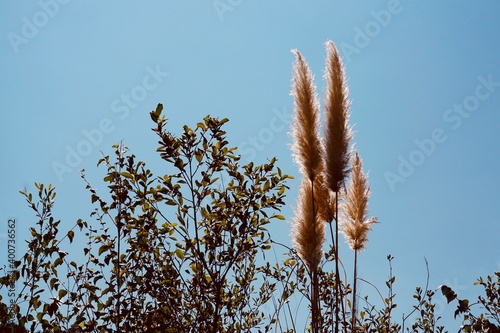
(178,252)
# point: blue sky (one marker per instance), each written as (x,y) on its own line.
(424,78)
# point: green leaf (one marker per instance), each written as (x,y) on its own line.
(127,174)
(179,254)
(202,126)
(199,156)
(103,248)
(156,114)
(170,202)
(80,223)
(179,164)
(58,262)
(193,266)
(448,293)
(159,108)
(53,281)
(267,185)
(281,190)
(108,178)
(71,235)
(62,293)
(463,307)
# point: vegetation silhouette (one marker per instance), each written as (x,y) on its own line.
(188,250)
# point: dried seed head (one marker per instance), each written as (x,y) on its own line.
(306,147)
(355,225)
(338,134)
(308,231)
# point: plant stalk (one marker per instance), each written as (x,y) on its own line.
(354,290)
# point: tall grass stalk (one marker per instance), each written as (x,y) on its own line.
(356,225)
(308,229)
(336,142)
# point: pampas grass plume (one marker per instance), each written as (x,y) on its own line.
(337,134)
(355,225)
(308,232)
(306,147)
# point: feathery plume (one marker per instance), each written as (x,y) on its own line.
(306,147)
(308,232)
(337,134)
(356,226)
(336,140)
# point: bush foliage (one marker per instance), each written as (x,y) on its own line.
(185,251)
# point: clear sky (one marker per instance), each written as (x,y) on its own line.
(424,77)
